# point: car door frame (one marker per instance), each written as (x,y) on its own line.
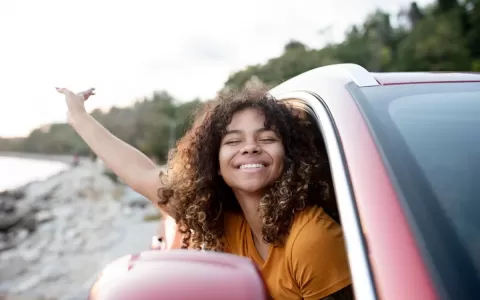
(362,276)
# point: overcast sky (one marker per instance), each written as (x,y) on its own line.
(128,49)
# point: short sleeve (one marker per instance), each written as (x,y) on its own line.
(318,260)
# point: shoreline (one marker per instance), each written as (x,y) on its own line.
(67,159)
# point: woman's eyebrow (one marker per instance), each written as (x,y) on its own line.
(264,129)
(238,131)
(233,131)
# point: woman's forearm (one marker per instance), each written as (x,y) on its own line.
(125,161)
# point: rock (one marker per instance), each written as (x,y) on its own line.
(44,216)
(7,205)
(8,220)
(22,234)
(6,242)
(13,224)
(53,272)
(27,284)
(102,242)
(5,245)
(70,234)
(134,199)
(50,193)
(13,238)
(14,267)
(127,211)
(18,194)
(65,212)
(29,222)
(19,215)
(15,194)
(35,244)
(31,255)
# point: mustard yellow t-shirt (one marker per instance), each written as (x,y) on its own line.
(311,265)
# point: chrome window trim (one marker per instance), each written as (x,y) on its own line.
(358,74)
(345,72)
(362,276)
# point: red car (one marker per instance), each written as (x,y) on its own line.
(404,155)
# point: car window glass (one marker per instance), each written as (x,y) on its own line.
(442,132)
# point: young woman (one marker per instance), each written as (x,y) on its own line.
(245,179)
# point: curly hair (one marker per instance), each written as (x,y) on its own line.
(197,196)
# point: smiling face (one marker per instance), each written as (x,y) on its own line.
(251,156)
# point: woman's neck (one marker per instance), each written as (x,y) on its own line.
(250,204)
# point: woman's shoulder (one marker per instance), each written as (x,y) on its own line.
(308,214)
(316,254)
(313,225)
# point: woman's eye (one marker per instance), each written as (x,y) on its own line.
(232,142)
(268,140)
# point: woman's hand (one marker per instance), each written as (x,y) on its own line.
(76,102)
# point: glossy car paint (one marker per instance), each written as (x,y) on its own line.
(179,274)
(399,270)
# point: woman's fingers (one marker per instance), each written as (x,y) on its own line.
(89,91)
(86,94)
(64,91)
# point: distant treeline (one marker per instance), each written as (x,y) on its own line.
(444,36)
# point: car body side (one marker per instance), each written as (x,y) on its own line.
(394,256)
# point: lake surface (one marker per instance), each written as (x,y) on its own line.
(15,171)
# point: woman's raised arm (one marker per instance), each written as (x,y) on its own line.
(128,163)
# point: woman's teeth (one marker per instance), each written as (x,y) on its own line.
(252,166)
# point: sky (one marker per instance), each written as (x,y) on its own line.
(128,49)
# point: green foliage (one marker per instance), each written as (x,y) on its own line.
(152,217)
(443,36)
(296,59)
(435,44)
(151,125)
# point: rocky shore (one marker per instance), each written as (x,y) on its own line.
(56,235)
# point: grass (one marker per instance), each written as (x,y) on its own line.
(152,217)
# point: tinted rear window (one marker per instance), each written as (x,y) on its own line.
(442,132)
(430,135)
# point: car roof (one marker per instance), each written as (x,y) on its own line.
(343,73)
(424,77)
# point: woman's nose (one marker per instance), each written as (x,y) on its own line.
(251,148)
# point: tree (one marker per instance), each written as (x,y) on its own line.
(435,44)
(445,6)
(443,36)
(415,15)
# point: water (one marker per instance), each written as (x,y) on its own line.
(15,171)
